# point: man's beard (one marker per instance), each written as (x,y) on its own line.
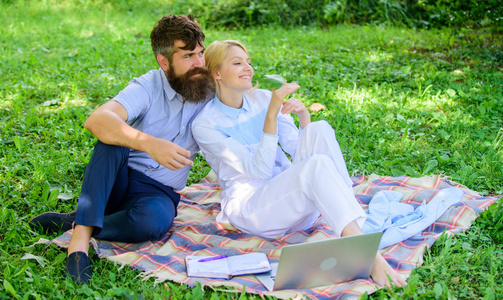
(193,89)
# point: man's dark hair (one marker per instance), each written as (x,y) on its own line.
(172,28)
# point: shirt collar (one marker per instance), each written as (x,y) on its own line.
(168,90)
(231,111)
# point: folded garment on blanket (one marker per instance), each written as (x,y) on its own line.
(195,232)
(400,221)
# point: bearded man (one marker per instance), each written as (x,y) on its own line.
(144,150)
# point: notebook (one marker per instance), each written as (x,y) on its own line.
(321,263)
(224,266)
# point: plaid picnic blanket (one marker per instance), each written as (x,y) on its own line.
(195,232)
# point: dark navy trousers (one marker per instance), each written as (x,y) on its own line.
(122,204)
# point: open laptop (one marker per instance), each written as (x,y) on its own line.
(322,263)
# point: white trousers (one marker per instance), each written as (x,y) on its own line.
(318,182)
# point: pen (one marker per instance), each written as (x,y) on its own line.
(212,258)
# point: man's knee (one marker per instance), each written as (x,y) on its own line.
(155,220)
(106,149)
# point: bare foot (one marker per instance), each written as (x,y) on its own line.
(382,273)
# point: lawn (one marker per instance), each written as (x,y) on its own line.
(402,102)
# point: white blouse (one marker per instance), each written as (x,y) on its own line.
(237,149)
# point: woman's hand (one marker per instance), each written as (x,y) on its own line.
(295,106)
(279,95)
(292,105)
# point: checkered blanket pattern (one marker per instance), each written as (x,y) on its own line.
(195,232)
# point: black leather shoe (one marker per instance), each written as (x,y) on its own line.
(78,266)
(52,222)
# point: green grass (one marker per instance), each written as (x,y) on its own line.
(402,102)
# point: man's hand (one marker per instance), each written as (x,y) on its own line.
(169,154)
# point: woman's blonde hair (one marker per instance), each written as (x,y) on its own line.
(215,54)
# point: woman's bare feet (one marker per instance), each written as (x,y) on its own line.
(382,273)
(381,269)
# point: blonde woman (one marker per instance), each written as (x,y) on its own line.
(263,192)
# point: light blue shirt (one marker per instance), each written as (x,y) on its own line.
(156,109)
(400,221)
(237,149)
